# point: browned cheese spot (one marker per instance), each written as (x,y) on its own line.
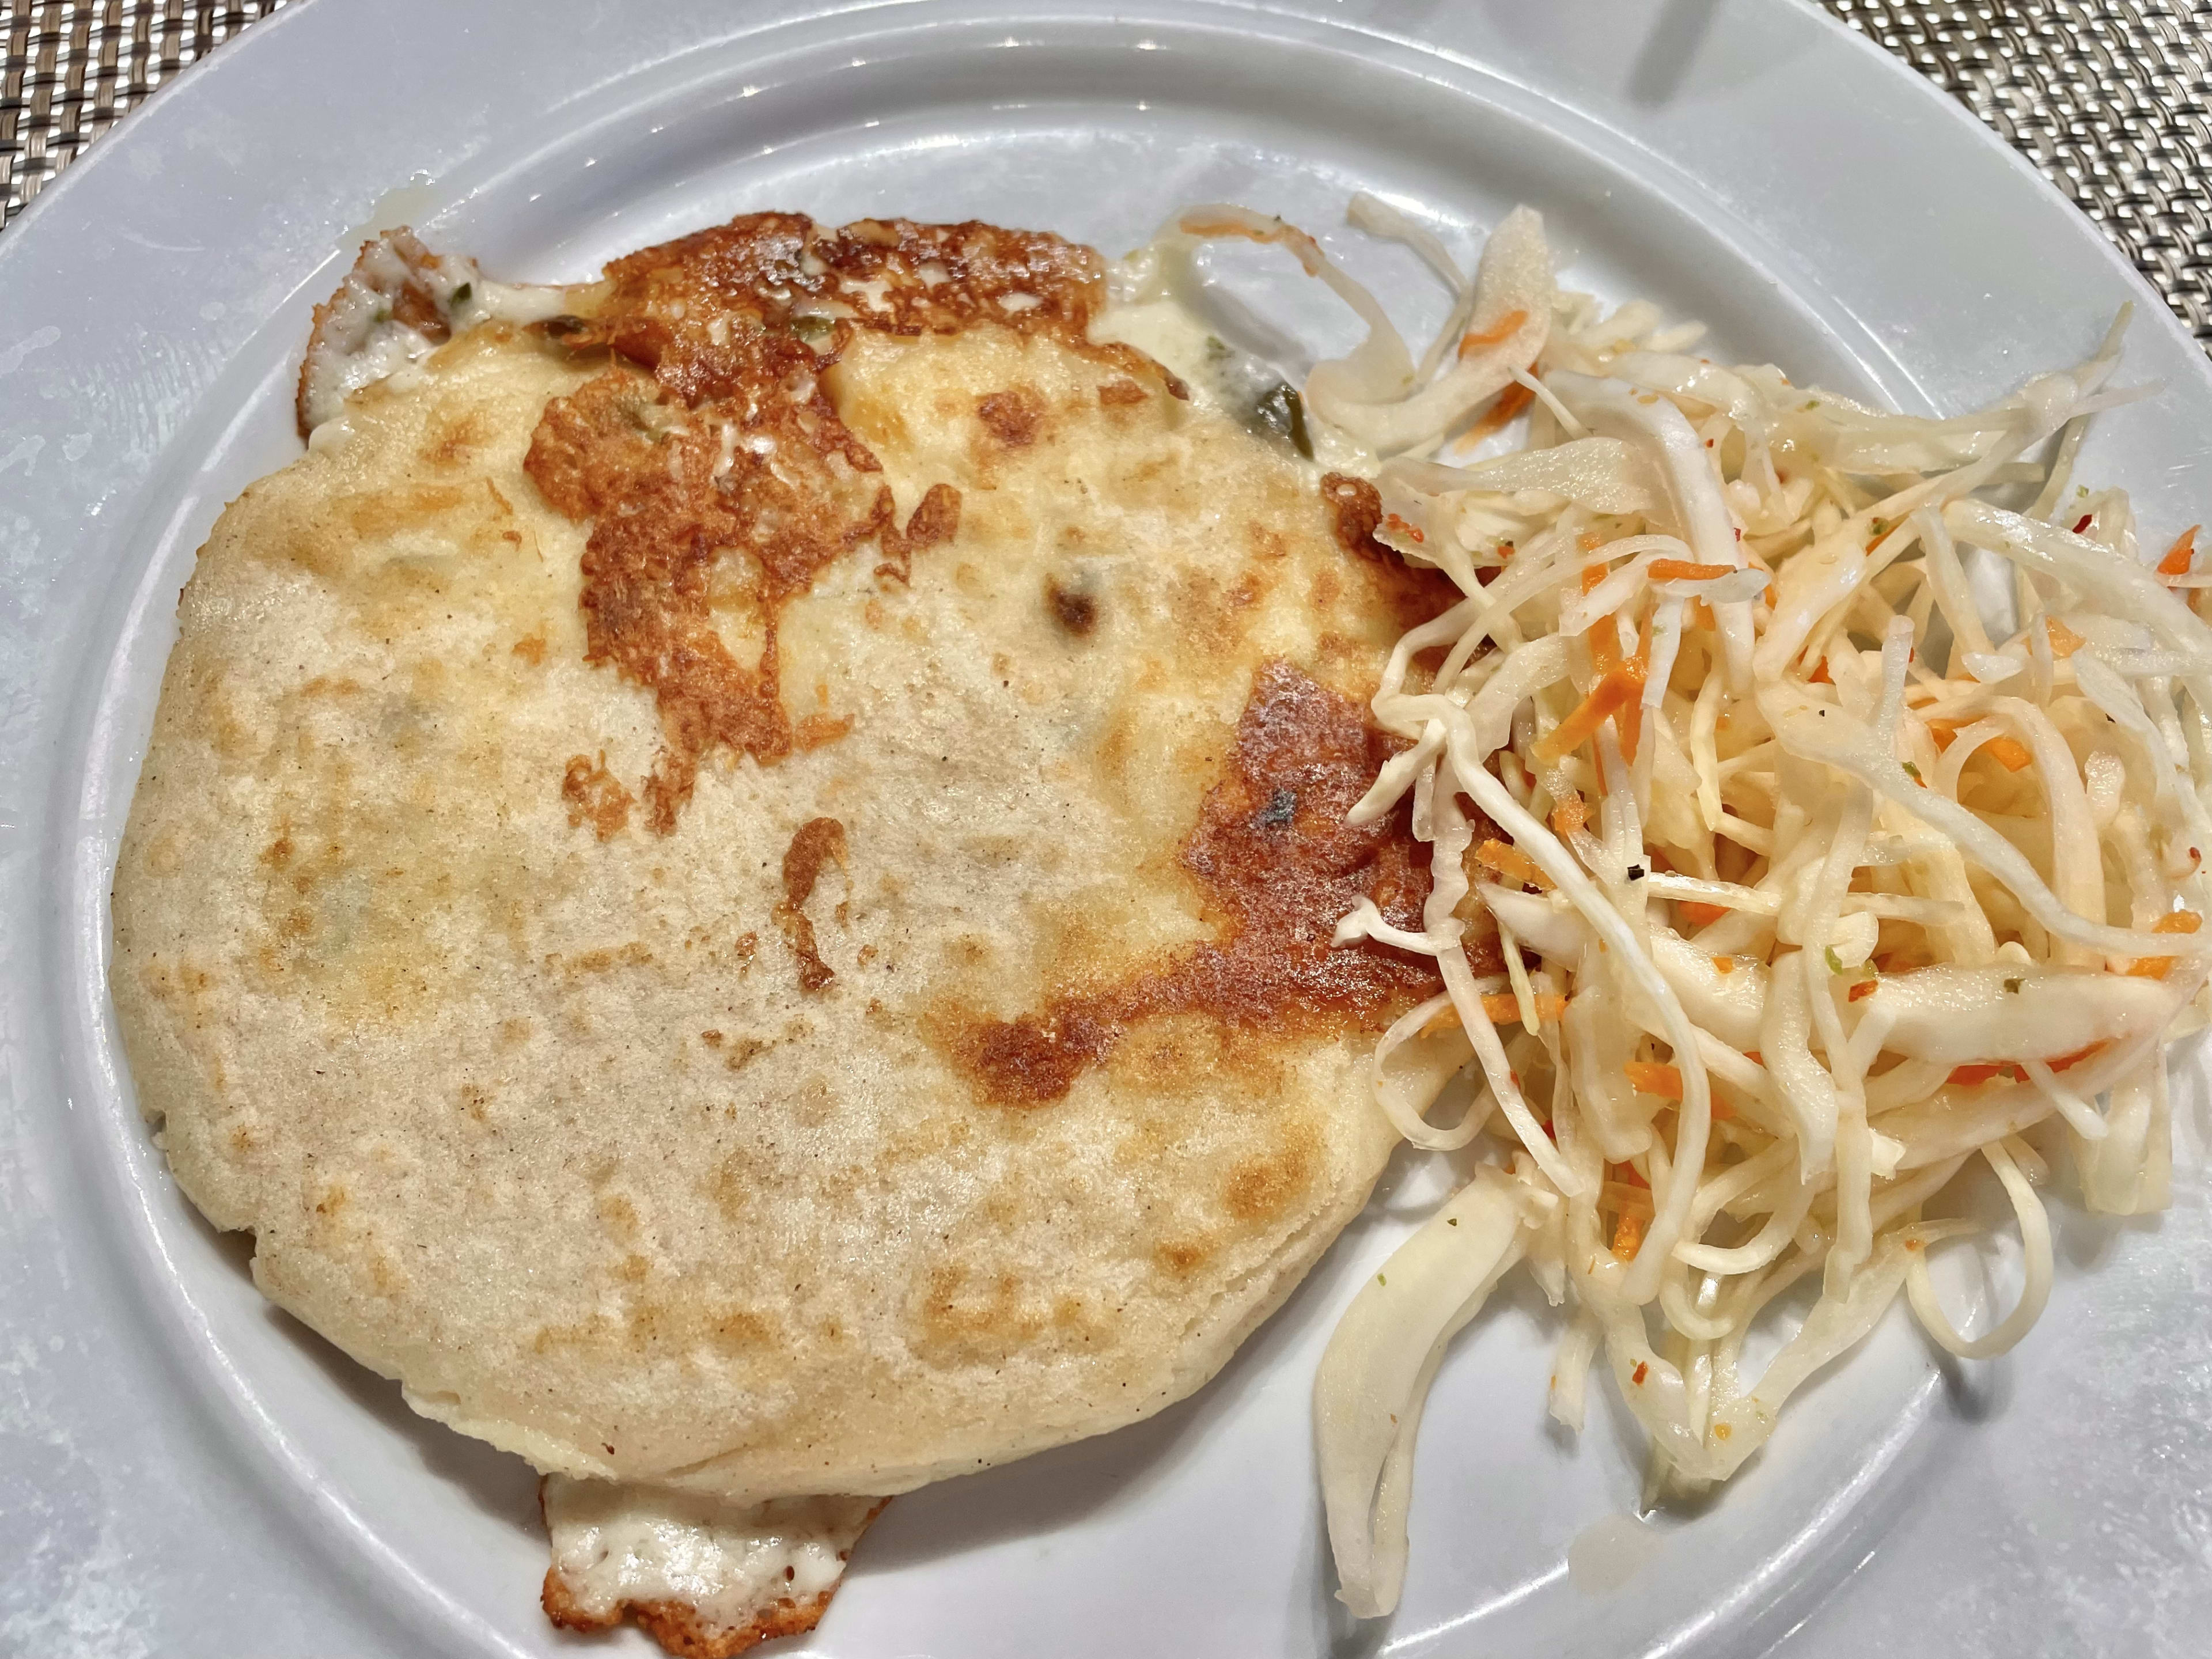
(818,841)
(595,796)
(530,647)
(453,440)
(814,731)
(1014,417)
(1119,394)
(1074,607)
(1279,867)
(1412,595)
(935,519)
(734,327)
(1261,1188)
(1355,509)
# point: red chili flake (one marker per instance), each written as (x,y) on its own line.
(2087,518)
(1642,1371)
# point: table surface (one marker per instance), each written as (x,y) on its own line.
(2113,101)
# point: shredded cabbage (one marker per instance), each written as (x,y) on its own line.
(1851,876)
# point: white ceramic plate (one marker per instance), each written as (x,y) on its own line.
(184,1472)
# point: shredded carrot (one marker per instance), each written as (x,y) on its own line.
(1412,533)
(1502,1006)
(1967,1076)
(2173,922)
(1590,541)
(1499,416)
(1652,1078)
(1570,815)
(1628,1234)
(1643,1370)
(1604,644)
(1627,1175)
(1723,1112)
(1621,686)
(1983,1071)
(1699,913)
(1595,573)
(1497,334)
(1820,676)
(2010,752)
(2080,1054)
(2064,641)
(1864,988)
(1943,731)
(1509,861)
(1681,570)
(1629,721)
(1701,616)
(2181,554)
(1724,965)
(1754,1056)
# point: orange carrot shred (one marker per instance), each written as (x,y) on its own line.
(2181,554)
(1504,1006)
(1628,1234)
(1499,416)
(1724,965)
(1509,861)
(2080,1054)
(2173,922)
(1865,987)
(1699,913)
(2064,641)
(1570,815)
(1620,686)
(2010,753)
(1652,1077)
(1496,334)
(1682,570)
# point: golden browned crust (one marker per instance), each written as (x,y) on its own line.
(1280,866)
(1355,508)
(595,795)
(678,1626)
(711,456)
(815,842)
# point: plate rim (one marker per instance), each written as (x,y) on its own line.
(67,189)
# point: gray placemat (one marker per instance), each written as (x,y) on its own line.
(2110,100)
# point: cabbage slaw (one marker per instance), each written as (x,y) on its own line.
(1795,925)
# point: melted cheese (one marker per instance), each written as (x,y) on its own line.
(618,1545)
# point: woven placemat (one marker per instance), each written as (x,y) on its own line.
(2110,100)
